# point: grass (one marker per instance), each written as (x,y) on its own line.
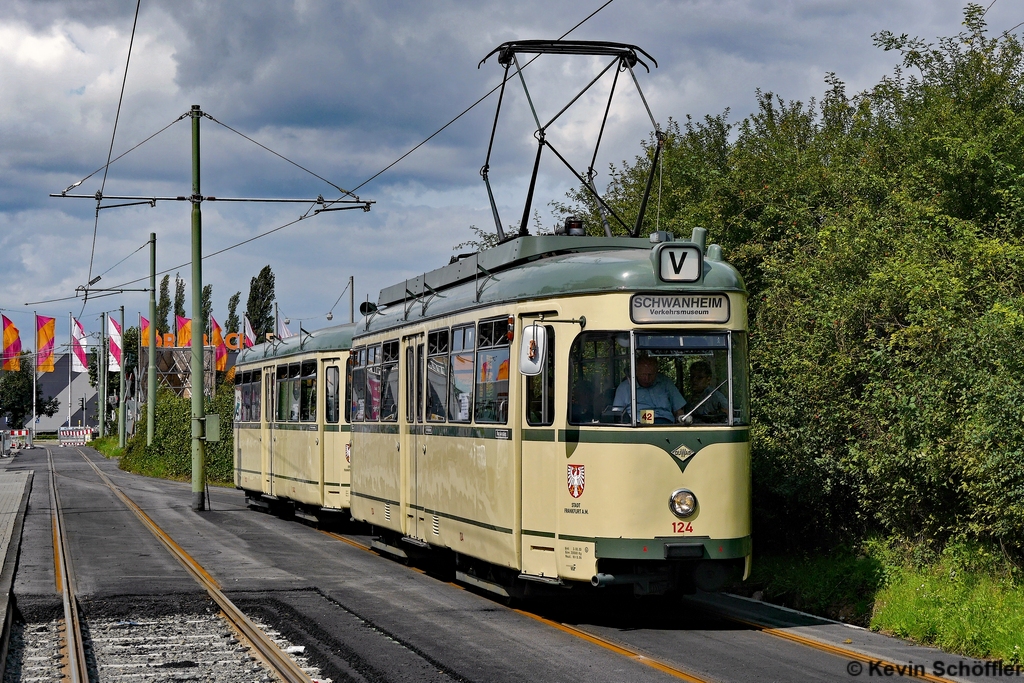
(107,445)
(967,599)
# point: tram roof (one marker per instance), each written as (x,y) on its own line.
(336,338)
(540,267)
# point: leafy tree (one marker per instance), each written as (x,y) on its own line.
(16,395)
(881,239)
(179,296)
(163,306)
(130,353)
(207,307)
(260,305)
(232,323)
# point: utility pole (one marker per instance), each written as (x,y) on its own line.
(348,201)
(198,325)
(151,356)
(101,375)
(351,298)
(122,411)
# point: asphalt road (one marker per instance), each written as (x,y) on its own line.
(363,617)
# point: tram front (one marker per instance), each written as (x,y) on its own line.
(656,441)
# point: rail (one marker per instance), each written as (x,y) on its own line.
(78,668)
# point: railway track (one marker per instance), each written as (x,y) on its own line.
(124,649)
(665,667)
(224,647)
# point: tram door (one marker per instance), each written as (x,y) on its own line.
(412,441)
(270,414)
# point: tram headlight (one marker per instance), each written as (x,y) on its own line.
(682,503)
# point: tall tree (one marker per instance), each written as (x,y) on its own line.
(16,395)
(130,352)
(163,306)
(231,324)
(207,303)
(260,306)
(179,296)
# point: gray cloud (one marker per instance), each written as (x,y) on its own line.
(345,87)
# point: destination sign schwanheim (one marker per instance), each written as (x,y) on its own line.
(679,308)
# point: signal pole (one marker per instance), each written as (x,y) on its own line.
(101,374)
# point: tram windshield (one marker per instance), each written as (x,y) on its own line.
(669,379)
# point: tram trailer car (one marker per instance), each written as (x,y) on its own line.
(292,447)
(496,412)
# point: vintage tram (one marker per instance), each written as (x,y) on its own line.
(557,411)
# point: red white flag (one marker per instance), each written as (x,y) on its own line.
(114,334)
(250,335)
(79,362)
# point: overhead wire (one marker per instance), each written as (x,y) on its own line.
(347,192)
(110,151)
(277,154)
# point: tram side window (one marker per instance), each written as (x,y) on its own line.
(331,396)
(437,375)
(540,389)
(740,380)
(357,385)
(410,384)
(307,400)
(255,389)
(460,387)
(241,387)
(283,393)
(492,360)
(598,364)
(372,383)
(389,382)
(294,391)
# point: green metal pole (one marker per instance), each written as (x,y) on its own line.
(198,325)
(101,372)
(122,412)
(151,356)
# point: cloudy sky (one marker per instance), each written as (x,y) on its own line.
(344,87)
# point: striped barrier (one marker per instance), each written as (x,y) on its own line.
(20,438)
(73,436)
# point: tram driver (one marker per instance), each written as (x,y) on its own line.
(654,392)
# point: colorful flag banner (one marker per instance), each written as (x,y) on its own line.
(184,331)
(79,362)
(250,334)
(44,343)
(144,330)
(220,349)
(114,337)
(282,330)
(12,346)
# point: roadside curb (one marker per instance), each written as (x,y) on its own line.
(10,562)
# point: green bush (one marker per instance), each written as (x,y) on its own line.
(881,238)
(170,455)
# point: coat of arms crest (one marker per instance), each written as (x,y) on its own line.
(576,479)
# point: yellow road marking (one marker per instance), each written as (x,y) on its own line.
(835,649)
(594,640)
(618,649)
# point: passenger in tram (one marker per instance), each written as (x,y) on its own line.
(716,406)
(654,392)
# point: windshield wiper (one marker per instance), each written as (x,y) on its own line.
(687,419)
